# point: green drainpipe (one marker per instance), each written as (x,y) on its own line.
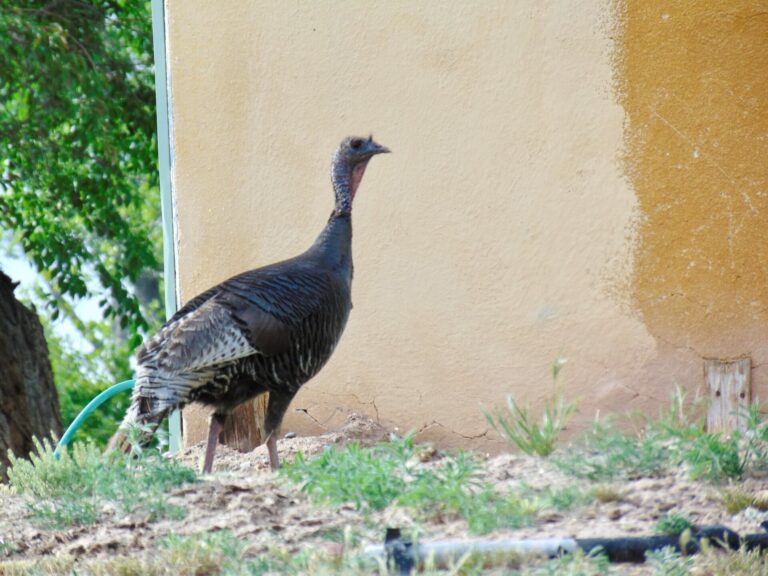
(163,108)
(164,161)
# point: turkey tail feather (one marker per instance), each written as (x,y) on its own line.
(144,419)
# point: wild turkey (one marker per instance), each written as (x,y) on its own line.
(266,330)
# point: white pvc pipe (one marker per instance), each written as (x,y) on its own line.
(448,552)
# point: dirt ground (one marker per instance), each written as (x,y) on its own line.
(264,510)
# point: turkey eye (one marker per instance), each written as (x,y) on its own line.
(355,144)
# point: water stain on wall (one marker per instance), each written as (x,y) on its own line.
(692,79)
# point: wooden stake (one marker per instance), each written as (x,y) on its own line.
(730,392)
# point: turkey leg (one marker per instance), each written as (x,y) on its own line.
(276,407)
(274,459)
(215,425)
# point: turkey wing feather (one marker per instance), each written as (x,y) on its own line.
(205,337)
(251,313)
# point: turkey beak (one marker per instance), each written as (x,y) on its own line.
(371,148)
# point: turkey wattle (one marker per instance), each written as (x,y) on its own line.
(266,330)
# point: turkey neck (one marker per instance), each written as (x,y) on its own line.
(334,244)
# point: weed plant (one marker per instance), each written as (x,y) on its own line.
(84,484)
(518,426)
(717,456)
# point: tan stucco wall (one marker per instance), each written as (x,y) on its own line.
(521,215)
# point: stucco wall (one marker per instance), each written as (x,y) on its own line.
(533,206)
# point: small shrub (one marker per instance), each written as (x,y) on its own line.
(84,484)
(47,566)
(487,511)
(220,553)
(519,427)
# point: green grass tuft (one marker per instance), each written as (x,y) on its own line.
(673,523)
(605,493)
(605,453)
(736,499)
(732,563)
(368,478)
(390,474)
(576,564)
(715,457)
(669,562)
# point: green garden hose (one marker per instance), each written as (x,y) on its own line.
(88,410)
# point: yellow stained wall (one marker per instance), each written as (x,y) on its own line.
(694,85)
(531,207)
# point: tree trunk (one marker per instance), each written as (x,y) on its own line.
(29,404)
(244,428)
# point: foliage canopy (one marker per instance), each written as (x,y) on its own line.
(78,180)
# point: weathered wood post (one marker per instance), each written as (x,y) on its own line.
(730,395)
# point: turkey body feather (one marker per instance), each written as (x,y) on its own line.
(268,329)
